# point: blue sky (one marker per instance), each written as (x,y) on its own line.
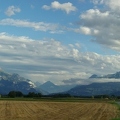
(60,40)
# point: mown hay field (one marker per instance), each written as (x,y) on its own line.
(36,110)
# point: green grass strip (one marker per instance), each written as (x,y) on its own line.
(118,106)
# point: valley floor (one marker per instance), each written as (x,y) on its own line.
(36,110)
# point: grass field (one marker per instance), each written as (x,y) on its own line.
(56,110)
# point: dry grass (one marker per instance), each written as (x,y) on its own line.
(35,110)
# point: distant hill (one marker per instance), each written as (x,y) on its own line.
(109,88)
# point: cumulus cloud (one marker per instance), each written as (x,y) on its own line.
(67,7)
(102,24)
(12,10)
(51,60)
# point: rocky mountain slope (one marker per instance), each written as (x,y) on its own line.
(9,82)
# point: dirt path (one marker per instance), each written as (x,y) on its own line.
(29,110)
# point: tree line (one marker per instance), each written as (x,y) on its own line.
(13,94)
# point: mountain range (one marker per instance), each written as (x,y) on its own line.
(108,88)
(87,90)
(14,82)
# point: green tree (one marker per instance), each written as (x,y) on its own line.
(12,94)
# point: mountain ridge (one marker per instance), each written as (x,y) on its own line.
(108,88)
(14,82)
(52,88)
(114,75)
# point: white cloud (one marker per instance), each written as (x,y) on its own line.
(38,26)
(75,53)
(46,7)
(115,5)
(67,7)
(86,30)
(91,13)
(12,10)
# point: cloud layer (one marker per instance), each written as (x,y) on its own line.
(43,60)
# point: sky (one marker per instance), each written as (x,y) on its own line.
(62,41)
